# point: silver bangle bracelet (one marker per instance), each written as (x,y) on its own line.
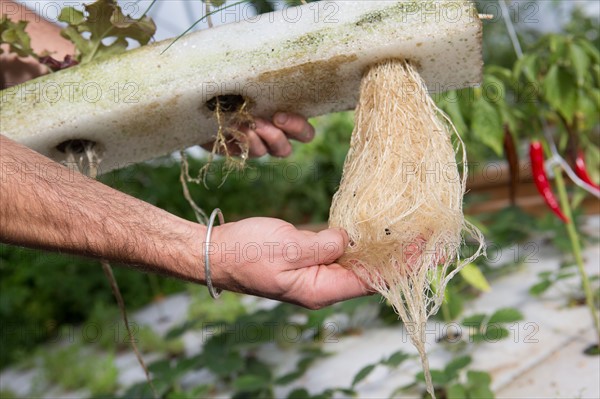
(214,292)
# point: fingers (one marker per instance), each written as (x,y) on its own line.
(285,126)
(274,138)
(257,147)
(319,286)
(295,126)
(322,248)
(334,242)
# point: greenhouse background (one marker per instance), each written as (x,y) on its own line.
(513,325)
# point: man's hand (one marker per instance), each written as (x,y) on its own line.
(271,258)
(273,137)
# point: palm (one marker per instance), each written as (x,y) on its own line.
(274,259)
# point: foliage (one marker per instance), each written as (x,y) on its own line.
(557,80)
(454,382)
(484,328)
(228,353)
(474,277)
(8,394)
(393,361)
(230,349)
(566,272)
(102,20)
(99,376)
(13,34)
(226,309)
(41,291)
(113,335)
(547,279)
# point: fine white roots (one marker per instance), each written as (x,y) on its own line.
(400,198)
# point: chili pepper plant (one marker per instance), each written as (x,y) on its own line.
(564,70)
(552,92)
(546,103)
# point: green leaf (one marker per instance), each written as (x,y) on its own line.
(590,49)
(250,383)
(494,89)
(438,377)
(299,393)
(456,391)
(481,392)
(225,365)
(449,103)
(564,275)
(396,359)
(103,19)
(494,333)
(487,125)
(593,350)
(346,391)
(540,288)
(258,368)
(526,66)
(580,62)
(363,373)
(219,356)
(400,391)
(500,72)
(479,385)
(474,321)
(557,45)
(317,318)
(13,34)
(178,395)
(473,275)
(168,372)
(289,377)
(83,45)
(560,91)
(477,338)
(456,365)
(454,302)
(200,391)
(478,378)
(506,315)
(301,367)
(71,16)
(545,275)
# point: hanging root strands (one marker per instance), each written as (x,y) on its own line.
(400,198)
(232,115)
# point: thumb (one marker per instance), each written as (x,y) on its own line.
(331,245)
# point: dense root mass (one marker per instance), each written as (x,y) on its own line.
(400,198)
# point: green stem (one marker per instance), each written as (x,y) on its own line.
(576,245)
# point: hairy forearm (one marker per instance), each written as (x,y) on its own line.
(45,205)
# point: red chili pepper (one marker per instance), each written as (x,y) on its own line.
(581,170)
(536,153)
